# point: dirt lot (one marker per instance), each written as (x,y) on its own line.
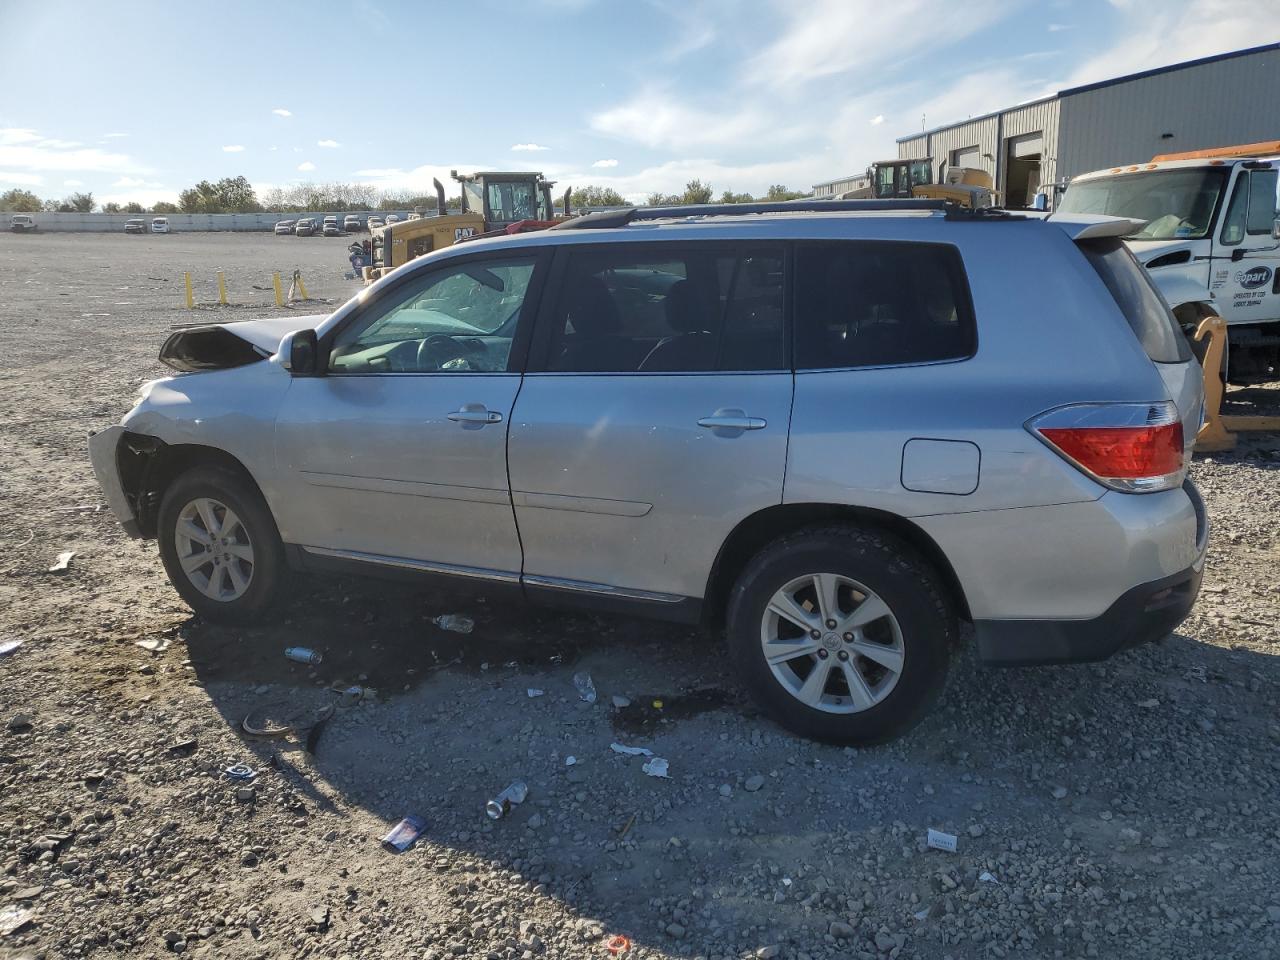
(1127,809)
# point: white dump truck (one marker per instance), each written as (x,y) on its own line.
(1211,240)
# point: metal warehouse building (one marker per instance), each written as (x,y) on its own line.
(1211,102)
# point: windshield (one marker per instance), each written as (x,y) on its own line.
(1177,204)
(512,200)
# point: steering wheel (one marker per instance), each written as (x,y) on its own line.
(439,348)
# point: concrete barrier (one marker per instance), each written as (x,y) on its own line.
(183,222)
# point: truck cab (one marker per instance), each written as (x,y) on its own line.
(1211,240)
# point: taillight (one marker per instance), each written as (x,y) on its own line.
(1134,447)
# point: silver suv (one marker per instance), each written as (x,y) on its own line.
(839,431)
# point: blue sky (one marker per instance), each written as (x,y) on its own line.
(137,100)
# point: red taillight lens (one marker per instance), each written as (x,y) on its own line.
(1131,447)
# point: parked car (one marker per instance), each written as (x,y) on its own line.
(351,223)
(375,223)
(22,223)
(393,218)
(160,225)
(838,434)
(284,227)
(135,225)
(331,229)
(305,227)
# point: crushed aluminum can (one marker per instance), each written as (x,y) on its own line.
(403,835)
(303,655)
(501,805)
(656,767)
(586,688)
(240,771)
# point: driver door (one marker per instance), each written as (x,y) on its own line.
(1247,257)
(397,453)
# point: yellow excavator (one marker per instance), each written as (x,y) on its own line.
(965,186)
(512,202)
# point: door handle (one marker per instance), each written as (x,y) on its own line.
(732,420)
(475,413)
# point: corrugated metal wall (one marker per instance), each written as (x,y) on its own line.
(940,144)
(1043,118)
(1214,104)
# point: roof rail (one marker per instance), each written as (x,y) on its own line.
(620,218)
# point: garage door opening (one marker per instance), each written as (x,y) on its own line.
(1022,169)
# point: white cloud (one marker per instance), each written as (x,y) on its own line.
(73,183)
(233,148)
(328,143)
(306,166)
(113,136)
(604,164)
(417,180)
(659,119)
(137,182)
(25,179)
(528,147)
(282,112)
(877,119)
(1059,27)
(273,149)
(23,147)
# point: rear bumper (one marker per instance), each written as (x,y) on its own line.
(1146,613)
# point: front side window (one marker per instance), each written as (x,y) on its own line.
(669,310)
(458,319)
(1264,205)
(870,303)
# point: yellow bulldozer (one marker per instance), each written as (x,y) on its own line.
(492,201)
(966,186)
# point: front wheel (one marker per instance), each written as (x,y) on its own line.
(219,545)
(842,635)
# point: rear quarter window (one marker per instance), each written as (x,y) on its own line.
(1143,307)
(865,303)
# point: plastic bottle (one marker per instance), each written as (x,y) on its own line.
(500,806)
(454,622)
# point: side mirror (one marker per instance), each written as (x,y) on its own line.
(1275,229)
(303,354)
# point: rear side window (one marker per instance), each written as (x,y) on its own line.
(669,309)
(871,303)
(1142,306)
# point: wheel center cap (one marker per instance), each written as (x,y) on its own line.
(831,640)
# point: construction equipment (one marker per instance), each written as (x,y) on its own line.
(1218,432)
(492,201)
(966,186)
(1210,238)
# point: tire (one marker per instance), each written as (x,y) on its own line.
(915,633)
(249,574)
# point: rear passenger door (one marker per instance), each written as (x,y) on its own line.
(653,416)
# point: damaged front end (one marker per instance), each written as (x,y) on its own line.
(123,464)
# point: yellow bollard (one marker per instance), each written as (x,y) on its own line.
(275,280)
(191,300)
(302,288)
(222,289)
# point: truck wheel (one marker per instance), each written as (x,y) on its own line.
(841,634)
(219,545)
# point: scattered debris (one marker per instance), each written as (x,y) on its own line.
(534,692)
(184,748)
(586,688)
(349,696)
(941,841)
(657,767)
(63,561)
(319,919)
(627,827)
(631,751)
(240,771)
(621,702)
(246,794)
(303,655)
(13,919)
(570,760)
(501,805)
(618,945)
(657,704)
(19,723)
(753,783)
(9,646)
(455,623)
(403,835)
(987,877)
(154,644)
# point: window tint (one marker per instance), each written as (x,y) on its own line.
(669,310)
(1143,307)
(865,303)
(459,319)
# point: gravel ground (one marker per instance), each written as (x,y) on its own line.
(1125,809)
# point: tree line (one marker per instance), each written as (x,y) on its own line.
(236,195)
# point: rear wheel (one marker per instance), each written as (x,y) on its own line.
(219,545)
(842,635)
